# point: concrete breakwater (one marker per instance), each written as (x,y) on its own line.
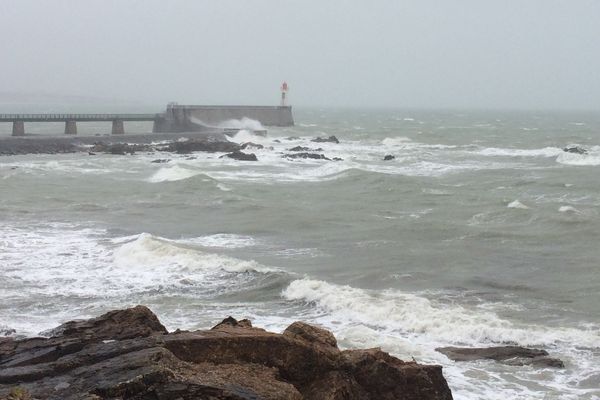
(176,118)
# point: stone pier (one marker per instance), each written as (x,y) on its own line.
(18,128)
(118,127)
(70,127)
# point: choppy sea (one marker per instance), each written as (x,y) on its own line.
(482,231)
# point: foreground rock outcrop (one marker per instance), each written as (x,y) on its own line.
(128,354)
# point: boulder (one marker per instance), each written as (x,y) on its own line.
(389,157)
(301,148)
(160,161)
(313,156)
(127,354)
(239,155)
(575,149)
(331,139)
(190,146)
(510,355)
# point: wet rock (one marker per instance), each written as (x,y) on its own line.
(238,155)
(337,159)
(91,153)
(510,355)
(101,358)
(575,149)
(250,145)
(313,156)
(301,148)
(118,148)
(160,161)
(389,157)
(190,146)
(331,139)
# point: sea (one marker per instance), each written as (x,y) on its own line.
(481,231)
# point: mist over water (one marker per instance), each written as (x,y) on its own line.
(481,231)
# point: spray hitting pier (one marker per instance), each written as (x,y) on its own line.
(176,118)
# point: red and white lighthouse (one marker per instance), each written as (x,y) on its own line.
(284,90)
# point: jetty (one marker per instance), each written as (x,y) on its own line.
(176,118)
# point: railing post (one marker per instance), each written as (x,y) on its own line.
(117,127)
(18,128)
(70,127)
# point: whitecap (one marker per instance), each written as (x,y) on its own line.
(173,173)
(517,204)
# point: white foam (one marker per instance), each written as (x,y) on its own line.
(244,123)
(154,252)
(592,158)
(506,152)
(418,317)
(569,209)
(173,173)
(223,240)
(517,204)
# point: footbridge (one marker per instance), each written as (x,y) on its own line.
(70,120)
(176,118)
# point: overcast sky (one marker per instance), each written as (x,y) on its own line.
(538,54)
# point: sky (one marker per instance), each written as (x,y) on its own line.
(485,54)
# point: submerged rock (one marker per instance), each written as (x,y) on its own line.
(160,161)
(250,145)
(301,148)
(389,157)
(238,155)
(331,139)
(510,355)
(190,146)
(575,149)
(313,156)
(127,354)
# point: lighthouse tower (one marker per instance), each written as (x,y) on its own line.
(284,90)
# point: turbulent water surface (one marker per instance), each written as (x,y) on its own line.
(481,231)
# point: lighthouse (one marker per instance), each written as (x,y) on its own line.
(284,90)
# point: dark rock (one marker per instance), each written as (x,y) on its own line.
(91,153)
(389,157)
(510,355)
(293,138)
(101,358)
(300,148)
(238,155)
(118,148)
(251,145)
(190,146)
(313,156)
(276,141)
(160,161)
(575,149)
(331,139)
(337,159)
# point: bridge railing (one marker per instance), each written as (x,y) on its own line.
(77,117)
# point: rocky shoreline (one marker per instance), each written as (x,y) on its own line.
(128,354)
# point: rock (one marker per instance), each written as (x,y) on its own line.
(510,355)
(575,149)
(160,161)
(250,145)
(91,153)
(118,148)
(238,155)
(301,148)
(313,156)
(389,157)
(126,354)
(337,159)
(331,139)
(190,146)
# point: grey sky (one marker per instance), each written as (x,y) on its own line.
(421,53)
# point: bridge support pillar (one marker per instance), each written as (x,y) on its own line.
(118,127)
(70,128)
(18,128)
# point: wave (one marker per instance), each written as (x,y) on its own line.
(517,204)
(592,158)
(419,318)
(507,152)
(173,173)
(155,252)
